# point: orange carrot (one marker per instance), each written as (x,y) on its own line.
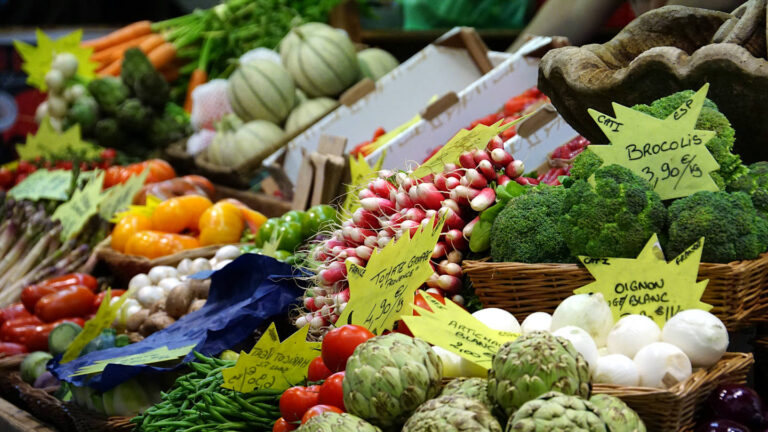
(131,31)
(198,77)
(112,69)
(170,72)
(151,42)
(115,52)
(162,55)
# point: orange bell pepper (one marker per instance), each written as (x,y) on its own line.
(126,227)
(180,213)
(252,218)
(222,223)
(154,244)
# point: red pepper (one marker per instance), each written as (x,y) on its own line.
(100,297)
(33,293)
(74,301)
(33,336)
(16,310)
(10,348)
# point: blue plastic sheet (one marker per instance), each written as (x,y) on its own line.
(243,295)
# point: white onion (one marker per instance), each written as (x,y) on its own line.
(701,336)
(74,92)
(227,252)
(66,63)
(631,333)
(537,321)
(498,319)
(451,362)
(582,341)
(149,295)
(662,365)
(54,79)
(139,281)
(616,369)
(183,268)
(168,284)
(200,264)
(588,311)
(57,107)
(158,273)
(41,112)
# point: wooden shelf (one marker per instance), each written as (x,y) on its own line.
(14,419)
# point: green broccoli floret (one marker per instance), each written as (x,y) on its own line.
(585,164)
(107,133)
(729,223)
(85,112)
(527,229)
(109,92)
(755,184)
(165,129)
(710,119)
(613,218)
(142,78)
(133,115)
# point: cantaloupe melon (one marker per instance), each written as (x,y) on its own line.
(375,63)
(236,143)
(321,60)
(307,113)
(261,90)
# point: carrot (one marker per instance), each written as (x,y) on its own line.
(131,31)
(112,69)
(115,52)
(162,55)
(170,73)
(151,42)
(199,75)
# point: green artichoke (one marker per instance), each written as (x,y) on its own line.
(532,365)
(557,412)
(389,376)
(616,414)
(473,388)
(452,413)
(335,422)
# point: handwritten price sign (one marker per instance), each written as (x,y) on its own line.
(669,153)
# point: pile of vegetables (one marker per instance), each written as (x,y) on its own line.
(733,408)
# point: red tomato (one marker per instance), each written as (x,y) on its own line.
(6,178)
(317,370)
(108,153)
(33,335)
(296,401)
(339,344)
(100,297)
(317,410)
(10,348)
(331,392)
(283,426)
(419,301)
(73,301)
(33,293)
(16,310)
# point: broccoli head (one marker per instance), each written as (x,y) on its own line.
(133,115)
(109,92)
(729,223)
(613,218)
(84,111)
(141,77)
(527,229)
(585,164)
(755,184)
(107,133)
(710,118)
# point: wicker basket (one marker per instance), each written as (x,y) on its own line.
(176,155)
(734,289)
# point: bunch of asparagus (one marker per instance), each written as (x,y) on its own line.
(31,249)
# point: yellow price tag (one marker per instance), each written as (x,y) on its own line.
(120,197)
(382,291)
(38,59)
(670,153)
(156,355)
(44,184)
(360,174)
(50,144)
(454,329)
(272,364)
(84,203)
(649,285)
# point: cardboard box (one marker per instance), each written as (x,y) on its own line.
(453,62)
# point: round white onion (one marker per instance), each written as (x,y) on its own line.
(616,369)
(451,362)
(66,63)
(158,273)
(582,341)
(662,365)
(701,336)
(537,321)
(139,281)
(587,311)
(631,333)
(498,319)
(149,295)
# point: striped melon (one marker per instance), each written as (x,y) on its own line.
(307,113)
(261,90)
(250,143)
(320,59)
(375,63)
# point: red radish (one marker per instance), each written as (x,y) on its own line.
(383,241)
(404,180)
(395,219)
(495,143)
(365,219)
(429,196)
(364,252)
(381,187)
(515,169)
(333,318)
(439,251)
(503,180)
(455,256)
(501,158)
(342,296)
(432,281)
(467,160)
(351,252)
(411,226)
(366,193)
(403,201)
(330,275)
(526,181)
(483,200)
(475,179)
(453,205)
(455,239)
(309,303)
(378,205)
(371,242)
(451,183)
(450,268)
(452,219)
(434,290)
(459,300)
(486,168)
(449,284)
(440,182)
(356,261)
(480,155)
(414,214)
(429,178)
(467,231)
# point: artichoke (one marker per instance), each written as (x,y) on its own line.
(473,388)
(335,422)
(616,414)
(452,413)
(389,376)
(557,412)
(532,365)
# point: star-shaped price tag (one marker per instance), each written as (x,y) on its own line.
(670,153)
(383,290)
(120,197)
(52,145)
(272,364)
(84,203)
(38,60)
(44,184)
(360,174)
(452,328)
(649,285)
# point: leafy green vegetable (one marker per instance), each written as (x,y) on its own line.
(755,184)
(109,92)
(133,115)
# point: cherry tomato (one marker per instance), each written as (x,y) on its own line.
(419,301)
(317,370)
(296,401)
(126,227)
(154,244)
(221,223)
(108,153)
(100,297)
(33,335)
(6,178)
(12,348)
(283,426)
(32,293)
(331,392)
(16,310)
(317,410)
(180,213)
(339,344)
(159,170)
(73,301)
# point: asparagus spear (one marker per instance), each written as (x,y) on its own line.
(32,230)
(27,262)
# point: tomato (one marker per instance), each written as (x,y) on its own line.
(126,227)
(25,167)
(419,301)
(266,231)
(108,153)
(154,244)
(290,236)
(33,335)
(159,170)
(6,178)
(16,310)
(100,297)
(332,392)
(112,176)
(296,401)
(317,370)
(32,293)
(11,348)
(317,410)
(283,426)
(339,343)
(221,223)
(180,213)
(68,302)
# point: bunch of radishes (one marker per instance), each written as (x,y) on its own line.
(396,203)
